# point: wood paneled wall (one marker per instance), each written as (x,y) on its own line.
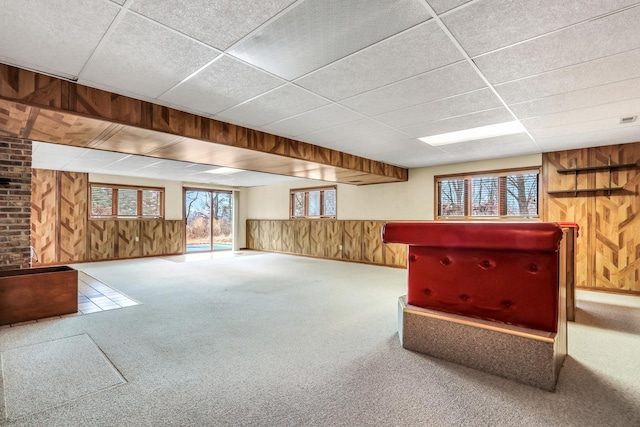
(608,249)
(62,233)
(359,241)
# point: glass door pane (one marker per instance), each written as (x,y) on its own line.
(222,220)
(198,215)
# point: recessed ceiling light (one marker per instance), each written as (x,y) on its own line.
(472,134)
(629,119)
(224,171)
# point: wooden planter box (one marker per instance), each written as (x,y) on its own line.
(36,293)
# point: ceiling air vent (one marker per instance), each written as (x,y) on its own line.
(629,119)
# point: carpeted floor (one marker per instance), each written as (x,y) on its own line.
(276,340)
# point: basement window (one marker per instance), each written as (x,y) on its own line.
(114,201)
(494,195)
(313,203)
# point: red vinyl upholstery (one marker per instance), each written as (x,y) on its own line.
(504,272)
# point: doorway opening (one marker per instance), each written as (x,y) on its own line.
(208,220)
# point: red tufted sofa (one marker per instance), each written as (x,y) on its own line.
(502,272)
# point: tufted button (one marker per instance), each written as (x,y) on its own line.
(445,261)
(412,258)
(532,268)
(506,304)
(426,291)
(485,264)
(464,298)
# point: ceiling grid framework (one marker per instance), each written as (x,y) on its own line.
(366,78)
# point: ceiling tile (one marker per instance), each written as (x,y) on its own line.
(589,74)
(441,6)
(478,100)
(138,46)
(468,121)
(314,34)
(285,101)
(419,155)
(423,48)
(492,148)
(569,141)
(311,121)
(602,37)
(487,25)
(378,145)
(441,83)
(605,94)
(614,111)
(332,137)
(32,36)
(223,84)
(219,24)
(608,123)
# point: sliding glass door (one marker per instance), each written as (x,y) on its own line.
(209,220)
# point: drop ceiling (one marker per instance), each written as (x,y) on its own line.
(363,77)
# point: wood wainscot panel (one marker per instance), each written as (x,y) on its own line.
(102,238)
(288,236)
(275,236)
(352,241)
(302,230)
(317,238)
(129,233)
(174,237)
(44,215)
(152,237)
(334,231)
(264,231)
(73,190)
(372,246)
(253,234)
(395,255)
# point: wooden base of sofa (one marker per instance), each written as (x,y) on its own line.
(525,355)
(36,293)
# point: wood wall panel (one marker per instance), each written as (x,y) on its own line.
(128,239)
(288,237)
(607,247)
(275,236)
(317,238)
(395,254)
(372,246)
(334,231)
(72,216)
(352,242)
(302,236)
(102,240)
(174,237)
(264,230)
(152,237)
(253,234)
(44,215)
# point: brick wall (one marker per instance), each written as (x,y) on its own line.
(15,203)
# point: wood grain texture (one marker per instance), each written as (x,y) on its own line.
(275,236)
(102,238)
(302,242)
(253,234)
(264,231)
(288,237)
(174,237)
(44,215)
(127,246)
(395,255)
(47,109)
(352,240)
(72,216)
(152,237)
(372,246)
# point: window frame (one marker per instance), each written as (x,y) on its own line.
(114,201)
(501,174)
(306,192)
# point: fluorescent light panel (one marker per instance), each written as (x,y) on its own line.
(473,134)
(224,171)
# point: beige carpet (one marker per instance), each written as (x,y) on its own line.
(277,340)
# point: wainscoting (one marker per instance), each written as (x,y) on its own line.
(358,241)
(62,233)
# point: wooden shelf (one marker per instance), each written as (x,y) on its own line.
(596,168)
(585,190)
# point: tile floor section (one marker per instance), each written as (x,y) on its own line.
(93,296)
